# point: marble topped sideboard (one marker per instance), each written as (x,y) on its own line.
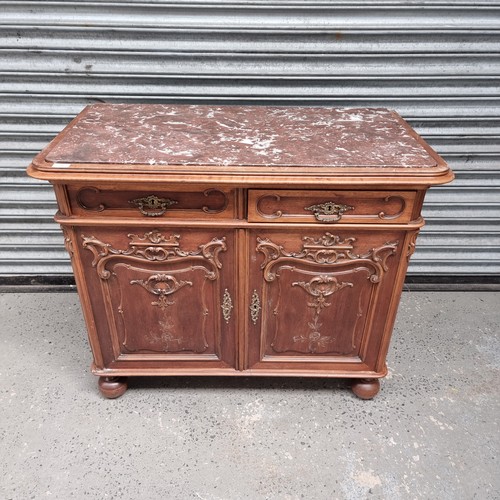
(239,240)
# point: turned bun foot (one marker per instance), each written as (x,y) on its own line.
(366,388)
(112,387)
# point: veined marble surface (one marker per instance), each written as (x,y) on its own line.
(158,134)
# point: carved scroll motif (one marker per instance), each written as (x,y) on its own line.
(154,246)
(162,285)
(215,193)
(383,215)
(275,215)
(92,205)
(327,249)
(68,242)
(412,245)
(319,288)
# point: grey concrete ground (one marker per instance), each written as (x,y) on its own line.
(431,433)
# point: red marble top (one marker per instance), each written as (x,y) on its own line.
(157,134)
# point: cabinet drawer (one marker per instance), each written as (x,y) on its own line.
(330,206)
(152,203)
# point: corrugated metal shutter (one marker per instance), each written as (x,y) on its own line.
(437,63)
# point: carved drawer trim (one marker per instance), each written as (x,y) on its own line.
(330,207)
(171,204)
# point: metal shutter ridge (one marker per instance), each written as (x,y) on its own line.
(436,63)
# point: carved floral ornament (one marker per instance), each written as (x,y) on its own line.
(328,249)
(319,288)
(162,285)
(155,247)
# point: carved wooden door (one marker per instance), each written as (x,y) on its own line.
(313,298)
(161,295)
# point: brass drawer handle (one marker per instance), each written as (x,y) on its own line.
(152,206)
(329,211)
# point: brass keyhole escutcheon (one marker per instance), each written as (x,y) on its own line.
(329,211)
(152,205)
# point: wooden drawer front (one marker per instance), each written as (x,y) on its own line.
(330,206)
(152,203)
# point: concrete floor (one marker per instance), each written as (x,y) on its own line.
(432,432)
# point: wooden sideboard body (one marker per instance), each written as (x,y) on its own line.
(239,240)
